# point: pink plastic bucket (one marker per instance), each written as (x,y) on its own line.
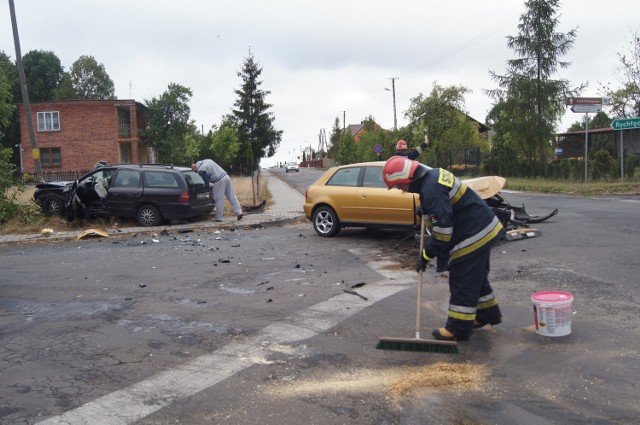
(552,313)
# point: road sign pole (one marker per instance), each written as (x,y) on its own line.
(621,125)
(622,156)
(586,144)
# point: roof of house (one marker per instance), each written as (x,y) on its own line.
(354,128)
(589,131)
(116,102)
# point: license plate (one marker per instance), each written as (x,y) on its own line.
(203,195)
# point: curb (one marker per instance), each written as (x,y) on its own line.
(273,221)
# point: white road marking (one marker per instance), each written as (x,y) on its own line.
(139,400)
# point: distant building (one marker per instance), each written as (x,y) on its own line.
(571,144)
(75,134)
(358,130)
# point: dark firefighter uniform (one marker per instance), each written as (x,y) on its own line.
(464,227)
(412,153)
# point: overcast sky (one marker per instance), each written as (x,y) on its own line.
(320,60)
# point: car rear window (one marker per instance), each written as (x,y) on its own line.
(345,177)
(193,179)
(160,179)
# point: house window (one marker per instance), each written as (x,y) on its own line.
(50,156)
(125,153)
(49,121)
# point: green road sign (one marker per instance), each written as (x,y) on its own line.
(626,123)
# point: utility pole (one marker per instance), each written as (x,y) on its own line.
(393,91)
(322,143)
(35,152)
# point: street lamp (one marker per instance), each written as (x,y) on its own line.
(393,90)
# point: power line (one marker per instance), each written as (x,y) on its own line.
(464,46)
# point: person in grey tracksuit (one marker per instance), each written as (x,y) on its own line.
(221,187)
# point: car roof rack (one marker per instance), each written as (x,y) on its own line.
(169,166)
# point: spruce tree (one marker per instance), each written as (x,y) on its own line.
(253,120)
(529,99)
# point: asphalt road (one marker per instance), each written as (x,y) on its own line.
(252,327)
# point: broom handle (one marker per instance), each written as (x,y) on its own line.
(419,298)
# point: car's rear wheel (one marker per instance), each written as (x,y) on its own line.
(148,215)
(326,222)
(52,205)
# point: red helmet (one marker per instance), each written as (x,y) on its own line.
(398,169)
(401,145)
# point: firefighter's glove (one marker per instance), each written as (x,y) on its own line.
(422,261)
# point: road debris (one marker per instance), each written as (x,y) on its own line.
(92,232)
(349,291)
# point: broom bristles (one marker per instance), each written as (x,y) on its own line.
(418,345)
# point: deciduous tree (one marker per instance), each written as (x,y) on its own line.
(451,130)
(625,101)
(169,124)
(43,73)
(89,80)
(9,95)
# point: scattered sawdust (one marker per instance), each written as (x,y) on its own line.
(392,267)
(399,381)
(441,377)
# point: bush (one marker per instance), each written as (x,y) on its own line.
(602,165)
(9,206)
(29,179)
(631,165)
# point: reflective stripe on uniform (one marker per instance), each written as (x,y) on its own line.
(461,312)
(457,191)
(487,301)
(442,233)
(478,240)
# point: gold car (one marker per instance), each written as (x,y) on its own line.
(355,195)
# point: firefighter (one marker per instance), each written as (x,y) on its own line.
(464,227)
(402,149)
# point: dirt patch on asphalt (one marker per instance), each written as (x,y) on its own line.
(400,382)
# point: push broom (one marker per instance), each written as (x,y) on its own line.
(417,343)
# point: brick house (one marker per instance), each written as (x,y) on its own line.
(73,135)
(358,130)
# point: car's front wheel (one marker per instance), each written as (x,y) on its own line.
(52,205)
(148,215)
(326,222)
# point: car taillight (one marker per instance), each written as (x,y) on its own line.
(184,197)
(306,192)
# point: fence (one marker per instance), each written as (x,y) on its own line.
(29,179)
